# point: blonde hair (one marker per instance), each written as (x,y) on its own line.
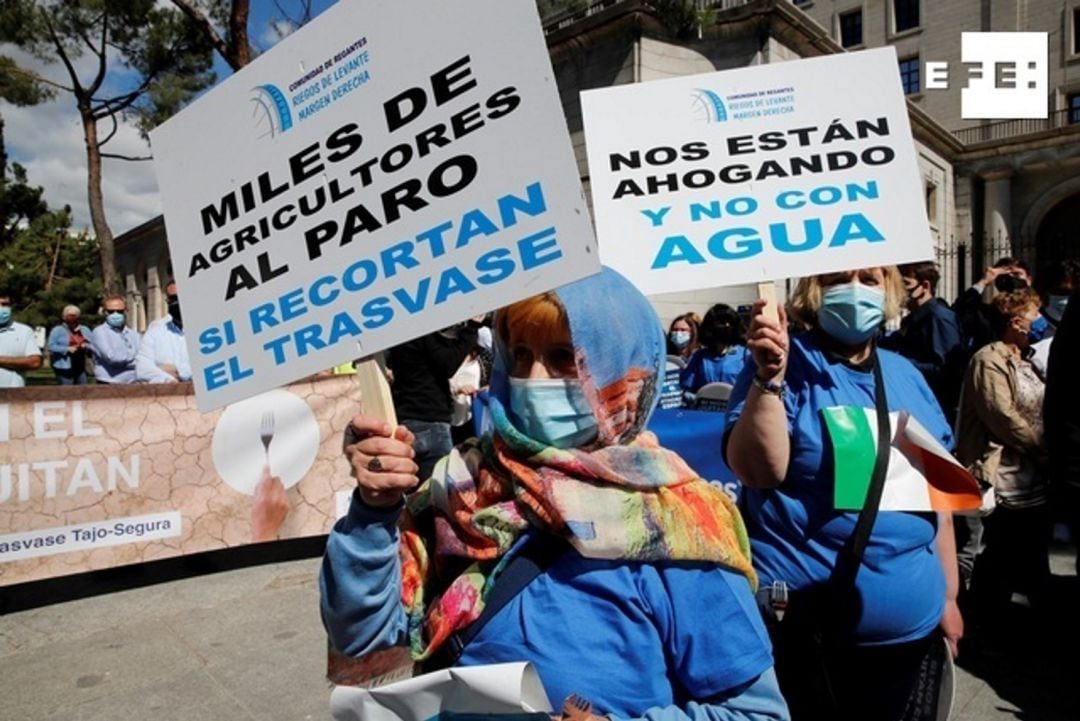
(541,317)
(805,301)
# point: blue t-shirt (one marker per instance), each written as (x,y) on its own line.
(627,636)
(794,531)
(704,367)
(630,636)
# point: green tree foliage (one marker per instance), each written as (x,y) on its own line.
(43,266)
(683,18)
(147,61)
(551,8)
(224,24)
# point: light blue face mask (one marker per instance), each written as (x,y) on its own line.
(1055,307)
(553,411)
(115,319)
(680,338)
(5,314)
(851,313)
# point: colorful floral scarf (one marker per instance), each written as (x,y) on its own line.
(626,499)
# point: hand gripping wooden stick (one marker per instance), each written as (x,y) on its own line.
(767,292)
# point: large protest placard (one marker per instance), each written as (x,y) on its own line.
(94,477)
(755,174)
(389,169)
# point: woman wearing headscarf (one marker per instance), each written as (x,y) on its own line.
(849,636)
(1000,439)
(645,607)
(682,339)
(722,354)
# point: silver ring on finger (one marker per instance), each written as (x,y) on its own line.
(375,465)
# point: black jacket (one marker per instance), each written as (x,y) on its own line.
(422,370)
(930,338)
(1061,409)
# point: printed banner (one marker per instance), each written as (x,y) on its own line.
(371,179)
(756,174)
(94,477)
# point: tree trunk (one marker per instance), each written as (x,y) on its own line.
(106,247)
(238,35)
(3,153)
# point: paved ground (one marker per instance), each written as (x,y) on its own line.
(247,644)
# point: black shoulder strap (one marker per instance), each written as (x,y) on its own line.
(848,562)
(869,511)
(535,557)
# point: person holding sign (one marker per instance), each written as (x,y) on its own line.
(640,596)
(865,606)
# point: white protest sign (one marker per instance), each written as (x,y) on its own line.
(751,175)
(391,168)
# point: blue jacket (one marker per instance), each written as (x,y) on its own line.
(58,343)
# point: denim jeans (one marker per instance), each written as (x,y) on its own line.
(432,443)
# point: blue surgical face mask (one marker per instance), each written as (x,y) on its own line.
(5,314)
(680,338)
(115,319)
(1038,329)
(1055,307)
(851,313)
(553,411)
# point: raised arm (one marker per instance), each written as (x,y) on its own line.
(360,583)
(758,447)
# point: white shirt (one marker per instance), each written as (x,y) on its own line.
(467,376)
(16,341)
(162,344)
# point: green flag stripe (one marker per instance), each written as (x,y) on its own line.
(853,455)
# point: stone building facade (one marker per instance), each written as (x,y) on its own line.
(992,187)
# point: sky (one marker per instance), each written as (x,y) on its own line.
(48,140)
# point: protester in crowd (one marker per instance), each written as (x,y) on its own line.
(18,351)
(722,354)
(854,634)
(929,336)
(682,337)
(1055,283)
(69,346)
(643,575)
(163,354)
(1000,440)
(972,307)
(421,390)
(115,345)
(1061,418)
(464,385)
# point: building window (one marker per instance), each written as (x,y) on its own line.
(905,15)
(803,3)
(1072,102)
(1075,39)
(851,29)
(909,75)
(931,203)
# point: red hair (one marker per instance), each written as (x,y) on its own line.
(540,317)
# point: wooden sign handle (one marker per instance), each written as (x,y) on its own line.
(767,292)
(375,390)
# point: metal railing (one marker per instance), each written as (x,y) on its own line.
(1006,129)
(559,19)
